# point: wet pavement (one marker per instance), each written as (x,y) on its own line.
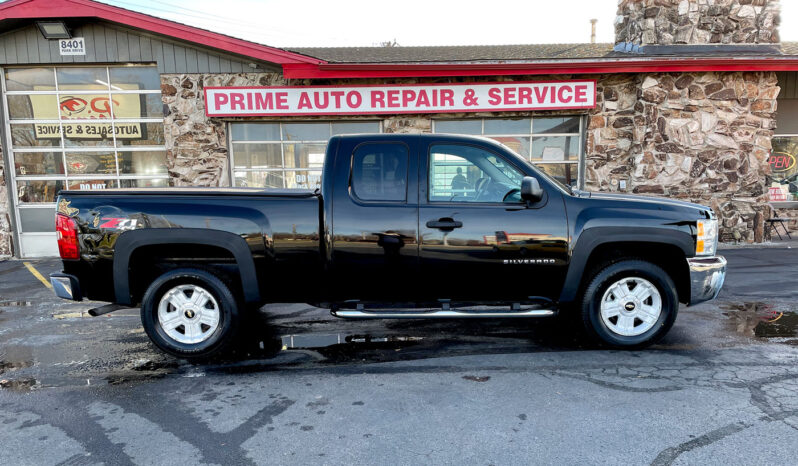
(722,387)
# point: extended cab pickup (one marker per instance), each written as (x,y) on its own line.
(415,226)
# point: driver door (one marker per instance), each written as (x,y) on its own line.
(478,241)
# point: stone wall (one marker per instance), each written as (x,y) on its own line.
(701,137)
(196,146)
(668,22)
(5,221)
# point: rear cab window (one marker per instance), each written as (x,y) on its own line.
(379,172)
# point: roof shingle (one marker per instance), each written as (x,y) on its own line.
(475,53)
(456,53)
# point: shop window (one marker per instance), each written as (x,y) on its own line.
(553,144)
(285,155)
(29,79)
(783,180)
(83,128)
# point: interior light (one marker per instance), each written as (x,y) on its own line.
(54,29)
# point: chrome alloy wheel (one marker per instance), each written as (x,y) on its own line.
(631,306)
(188,314)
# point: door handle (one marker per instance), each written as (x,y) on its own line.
(444,224)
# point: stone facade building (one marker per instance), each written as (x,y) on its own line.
(673,115)
(688,22)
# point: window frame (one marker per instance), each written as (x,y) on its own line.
(351,186)
(62,149)
(428,166)
(578,160)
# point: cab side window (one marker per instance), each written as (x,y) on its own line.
(460,173)
(379,172)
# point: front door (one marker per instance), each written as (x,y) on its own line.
(375,221)
(478,241)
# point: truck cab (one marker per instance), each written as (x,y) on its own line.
(431,218)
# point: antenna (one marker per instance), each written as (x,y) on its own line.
(593,31)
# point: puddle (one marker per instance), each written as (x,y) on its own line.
(148,365)
(7,366)
(117,379)
(21,384)
(24,384)
(313,341)
(784,324)
(15,303)
(761,320)
(341,347)
(475,378)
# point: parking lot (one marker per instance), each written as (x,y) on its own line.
(721,388)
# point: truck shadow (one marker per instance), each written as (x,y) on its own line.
(333,341)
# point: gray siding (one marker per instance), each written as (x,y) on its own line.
(107,43)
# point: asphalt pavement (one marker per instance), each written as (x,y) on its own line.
(720,388)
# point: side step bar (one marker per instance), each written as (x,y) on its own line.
(438,314)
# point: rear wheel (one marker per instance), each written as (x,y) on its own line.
(629,304)
(190,313)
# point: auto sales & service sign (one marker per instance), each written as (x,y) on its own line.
(410,98)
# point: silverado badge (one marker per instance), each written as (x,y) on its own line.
(63,208)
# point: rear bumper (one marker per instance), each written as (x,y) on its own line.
(66,286)
(706,278)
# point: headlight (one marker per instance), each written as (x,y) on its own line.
(707,238)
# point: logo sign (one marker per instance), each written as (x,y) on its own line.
(781,162)
(75,104)
(394,99)
(73,46)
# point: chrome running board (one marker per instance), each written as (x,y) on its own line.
(438,314)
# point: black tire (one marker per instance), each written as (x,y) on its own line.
(219,341)
(605,277)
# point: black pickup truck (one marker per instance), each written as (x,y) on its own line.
(403,226)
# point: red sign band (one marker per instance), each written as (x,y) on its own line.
(398,99)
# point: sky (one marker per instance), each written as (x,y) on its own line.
(349,23)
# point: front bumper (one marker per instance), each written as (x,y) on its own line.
(706,278)
(66,286)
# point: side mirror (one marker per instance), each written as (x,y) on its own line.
(531,190)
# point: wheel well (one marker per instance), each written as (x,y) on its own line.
(667,256)
(151,261)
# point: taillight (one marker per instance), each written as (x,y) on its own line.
(67,232)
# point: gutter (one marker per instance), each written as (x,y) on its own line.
(541,67)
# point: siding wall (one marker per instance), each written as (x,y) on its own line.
(107,43)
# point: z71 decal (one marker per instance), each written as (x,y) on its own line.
(113,223)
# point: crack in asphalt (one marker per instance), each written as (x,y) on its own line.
(669,455)
(759,399)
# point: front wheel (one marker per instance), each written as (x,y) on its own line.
(629,304)
(190,313)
